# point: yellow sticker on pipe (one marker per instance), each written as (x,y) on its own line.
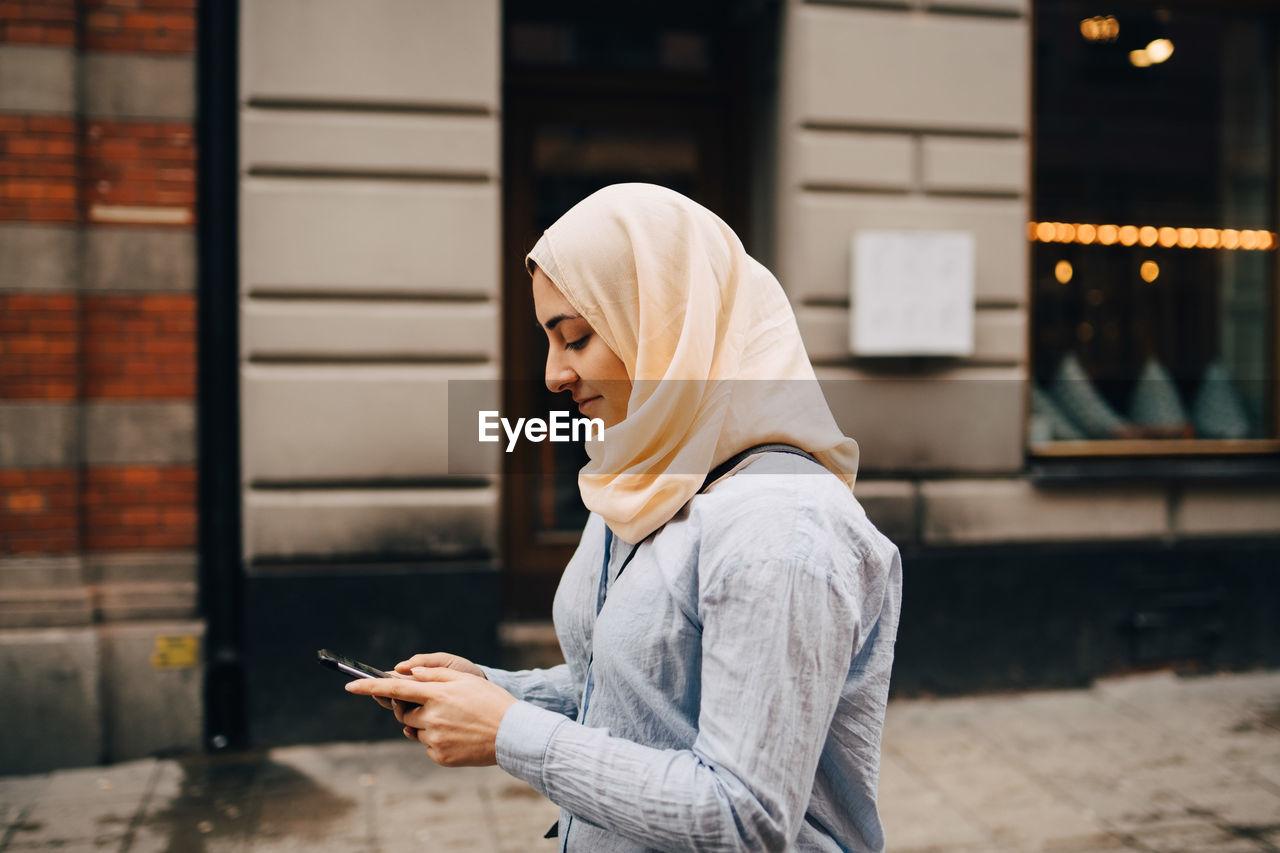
(176,651)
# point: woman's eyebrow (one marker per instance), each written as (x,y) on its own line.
(555,321)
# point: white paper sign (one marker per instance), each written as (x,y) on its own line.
(912,293)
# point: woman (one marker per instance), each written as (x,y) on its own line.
(728,643)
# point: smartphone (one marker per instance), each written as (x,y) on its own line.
(351,668)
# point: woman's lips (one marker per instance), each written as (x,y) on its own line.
(582,407)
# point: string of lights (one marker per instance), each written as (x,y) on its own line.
(1168,237)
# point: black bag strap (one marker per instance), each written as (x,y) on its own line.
(729,464)
(719,471)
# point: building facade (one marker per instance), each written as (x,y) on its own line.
(1072,493)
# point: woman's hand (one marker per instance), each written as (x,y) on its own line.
(454,714)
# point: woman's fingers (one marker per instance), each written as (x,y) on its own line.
(439,659)
(385,702)
(409,690)
(399,708)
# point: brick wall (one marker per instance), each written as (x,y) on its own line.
(48,22)
(94,165)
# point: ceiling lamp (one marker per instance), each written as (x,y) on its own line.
(1159,50)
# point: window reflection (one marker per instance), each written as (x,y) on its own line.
(1155,189)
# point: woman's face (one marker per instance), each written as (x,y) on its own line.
(578,361)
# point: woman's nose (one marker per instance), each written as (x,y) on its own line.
(559,375)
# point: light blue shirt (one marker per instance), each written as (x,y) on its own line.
(739,670)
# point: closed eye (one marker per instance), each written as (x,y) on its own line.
(578,344)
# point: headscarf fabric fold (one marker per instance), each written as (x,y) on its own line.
(709,341)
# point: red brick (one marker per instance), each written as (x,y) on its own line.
(140,21)
(41,389)
(169,303)
(58,147)
(24,145)
(125,42)
(168,43)
(25,344)
(37,511)
(120,147)
(140,516)
(56,522)
(140,475)
(103,20)
(40,544)
(24,32)
(46,12)
(51,124)
(45,212)
(170,347)
(179,517)
(11,478)
(179,23)
(37,302)
(59,190)
(24,189)
(96,541)
(25,502)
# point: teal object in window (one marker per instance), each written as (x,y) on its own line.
(1155,401)
(1217,411)
(1080,401)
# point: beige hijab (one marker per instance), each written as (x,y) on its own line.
(709,341)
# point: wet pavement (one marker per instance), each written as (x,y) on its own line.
(1153,763)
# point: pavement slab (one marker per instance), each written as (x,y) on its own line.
(1155,763)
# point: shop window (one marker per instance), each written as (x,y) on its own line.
(1154,228)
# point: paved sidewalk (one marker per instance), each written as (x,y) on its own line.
(1151,763)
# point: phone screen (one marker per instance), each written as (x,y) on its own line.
(348,667)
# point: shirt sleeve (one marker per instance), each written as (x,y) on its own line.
(778,639)
(552,689)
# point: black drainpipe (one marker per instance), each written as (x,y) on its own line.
(218,400)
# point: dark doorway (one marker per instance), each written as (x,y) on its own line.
(677,94)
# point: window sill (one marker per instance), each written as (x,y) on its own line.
(1065,462)
(1174,447)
